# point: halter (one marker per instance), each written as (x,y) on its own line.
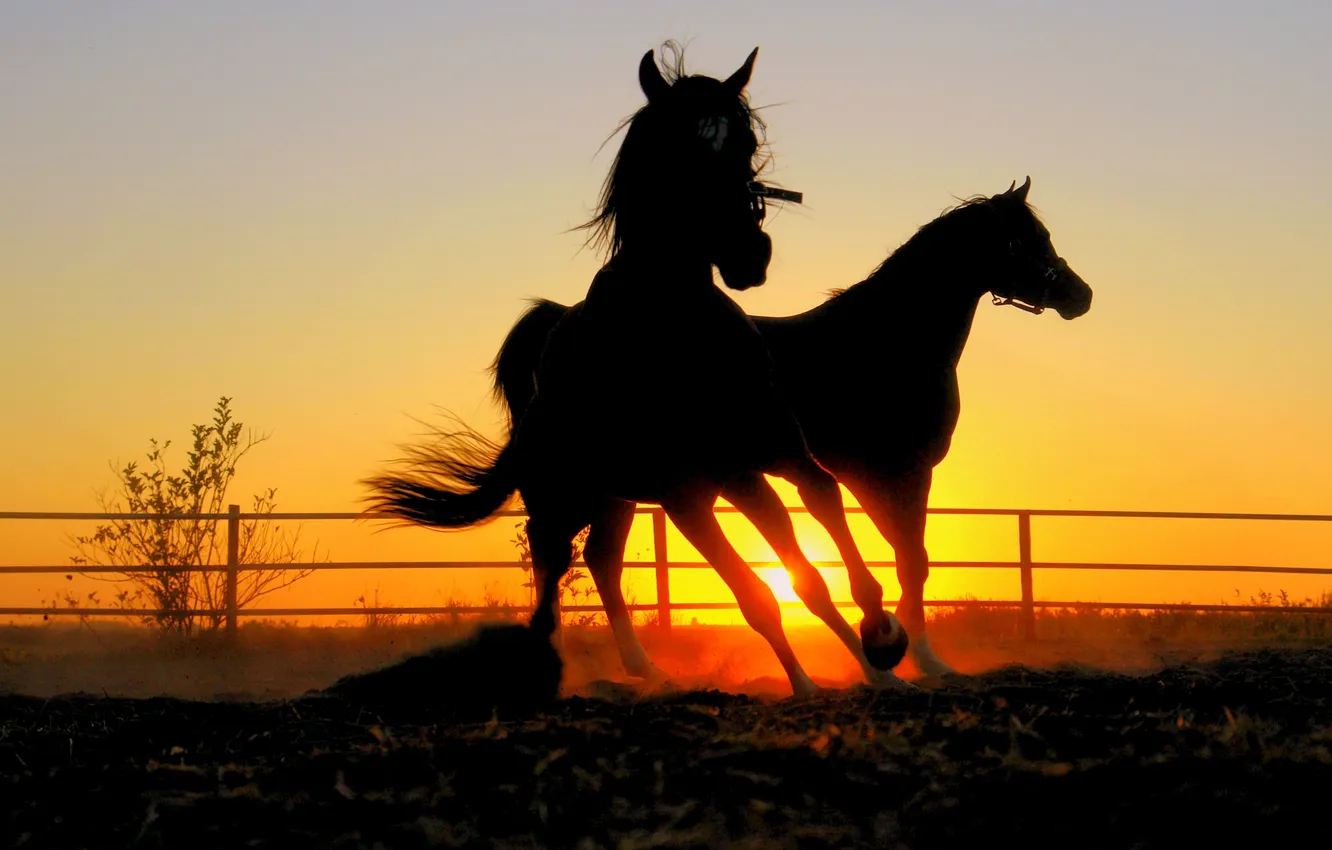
(714,130)
(1051,274)
(758,192)
(757,188)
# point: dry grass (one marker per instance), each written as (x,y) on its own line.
(1149,626)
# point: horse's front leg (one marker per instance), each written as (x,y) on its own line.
(697,522)
(754,497)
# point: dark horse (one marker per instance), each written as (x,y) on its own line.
(872,373)
(681,197)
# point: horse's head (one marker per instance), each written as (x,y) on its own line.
(1032,274)
(684,177)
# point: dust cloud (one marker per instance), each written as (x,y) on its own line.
(283,662)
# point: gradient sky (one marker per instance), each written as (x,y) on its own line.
(333,211)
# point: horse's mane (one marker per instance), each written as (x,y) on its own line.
(925,233)
(634,159)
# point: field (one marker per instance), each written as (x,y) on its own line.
(1111,731)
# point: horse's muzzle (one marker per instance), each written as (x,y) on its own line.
(745,266)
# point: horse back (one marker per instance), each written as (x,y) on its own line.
(859,398)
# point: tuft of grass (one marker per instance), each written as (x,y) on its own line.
(1147,626)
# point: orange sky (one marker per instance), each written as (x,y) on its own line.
(334,219)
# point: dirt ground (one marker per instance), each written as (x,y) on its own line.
(1087,745)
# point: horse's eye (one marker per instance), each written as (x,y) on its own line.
(714,130)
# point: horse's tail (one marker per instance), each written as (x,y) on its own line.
(464,478)
(514,368)
(461,480)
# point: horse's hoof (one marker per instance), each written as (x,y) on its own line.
(803,688)
(929,663)
(890,681)
(884,642)
(939,670)
(663,686)
(652,675)
(609,691)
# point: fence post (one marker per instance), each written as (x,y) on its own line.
(1024,566)
(663,571)
(233,563)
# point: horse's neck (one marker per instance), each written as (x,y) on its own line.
(921,303)
(641,296)
(653,266)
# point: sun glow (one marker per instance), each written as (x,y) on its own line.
(780,581)
(379,264)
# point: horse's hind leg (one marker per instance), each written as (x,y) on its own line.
(897,508)
(604,554)
(883,638)
(551,540)
(755,498)
(699,525)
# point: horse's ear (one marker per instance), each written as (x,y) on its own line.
(1023,190)
(654,85)
(736,82)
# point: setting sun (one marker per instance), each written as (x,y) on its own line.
(780,582)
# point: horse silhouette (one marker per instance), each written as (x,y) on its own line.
(872,373)
(681,197)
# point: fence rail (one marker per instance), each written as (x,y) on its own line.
(662,565)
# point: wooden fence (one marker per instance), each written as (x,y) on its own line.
(662,565)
